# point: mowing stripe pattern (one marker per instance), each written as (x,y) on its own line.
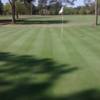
(35,56)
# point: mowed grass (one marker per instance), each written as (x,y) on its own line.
(38,62)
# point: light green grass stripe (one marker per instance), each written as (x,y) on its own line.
(6,32)
(59,50)
(10,35)
(38,43)
(47,44)
(3,29)
(74,55)
(90,70)
(69,80)
(19,41)
(90,33)
(90,42)
(75,48)
(11,39)
(6,42)
(90,57)
(27,42)
(8,29)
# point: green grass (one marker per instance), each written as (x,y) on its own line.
(69,20)
(38,62)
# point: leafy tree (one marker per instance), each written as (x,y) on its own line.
(7,9)
(43,3)
(54,9)
(51,6)
(21,9)
(1,8)
(13,7)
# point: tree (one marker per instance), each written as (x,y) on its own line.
(29,5)
(21,8)
(7,9)
(54,9)
(96,11)
(51,2)
(1,8)
(13,8)
(97,2)
(40,2)
(53,5)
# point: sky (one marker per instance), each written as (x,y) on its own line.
(77,3)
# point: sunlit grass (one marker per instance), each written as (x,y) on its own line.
(38,62)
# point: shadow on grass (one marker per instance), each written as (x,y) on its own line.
(29,22)
(25,22)
(91,94)
(27,77)
(5,22)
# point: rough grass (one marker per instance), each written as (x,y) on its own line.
(41,63)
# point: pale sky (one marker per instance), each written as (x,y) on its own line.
(77,3)
(4,1)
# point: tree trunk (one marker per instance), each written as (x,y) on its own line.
(13,8)
(17,15)
(13,12)
(96,12)
(31,8)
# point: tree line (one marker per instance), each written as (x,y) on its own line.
(21,9)
(25,7)
(29,4)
